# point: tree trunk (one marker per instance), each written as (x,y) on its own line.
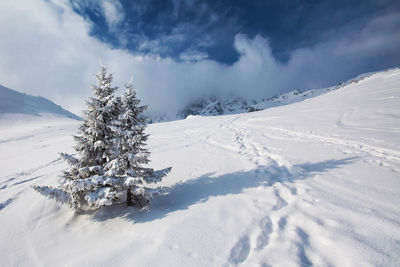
(137,201)
(129,197)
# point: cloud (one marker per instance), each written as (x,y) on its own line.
(48,51)
(113,12)
(192,56)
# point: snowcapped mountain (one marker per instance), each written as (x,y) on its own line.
(14,102)
(214,106)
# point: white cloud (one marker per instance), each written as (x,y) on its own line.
(192,56)
(46,50)
(113,12)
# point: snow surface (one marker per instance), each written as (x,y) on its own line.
(311,183)
(19,106)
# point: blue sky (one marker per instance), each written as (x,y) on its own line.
(180,50)
(175,28)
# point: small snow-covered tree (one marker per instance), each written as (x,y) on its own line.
(110,147)
(130,152)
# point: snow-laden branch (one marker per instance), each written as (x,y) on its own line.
(53,193)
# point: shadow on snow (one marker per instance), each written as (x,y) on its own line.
(182,195)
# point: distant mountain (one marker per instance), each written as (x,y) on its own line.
(214,106)
(14,102)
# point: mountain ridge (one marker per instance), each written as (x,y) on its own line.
(233,104)
(14,102)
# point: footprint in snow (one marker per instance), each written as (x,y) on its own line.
(280,202)
(266,230)
(240,251)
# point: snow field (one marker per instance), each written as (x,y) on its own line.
(311,183)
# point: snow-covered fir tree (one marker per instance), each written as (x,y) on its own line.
(130,152)
(111,153)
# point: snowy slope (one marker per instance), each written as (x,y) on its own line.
(214,106)
(316,182)
(13,102)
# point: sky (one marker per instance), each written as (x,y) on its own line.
(177,51)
